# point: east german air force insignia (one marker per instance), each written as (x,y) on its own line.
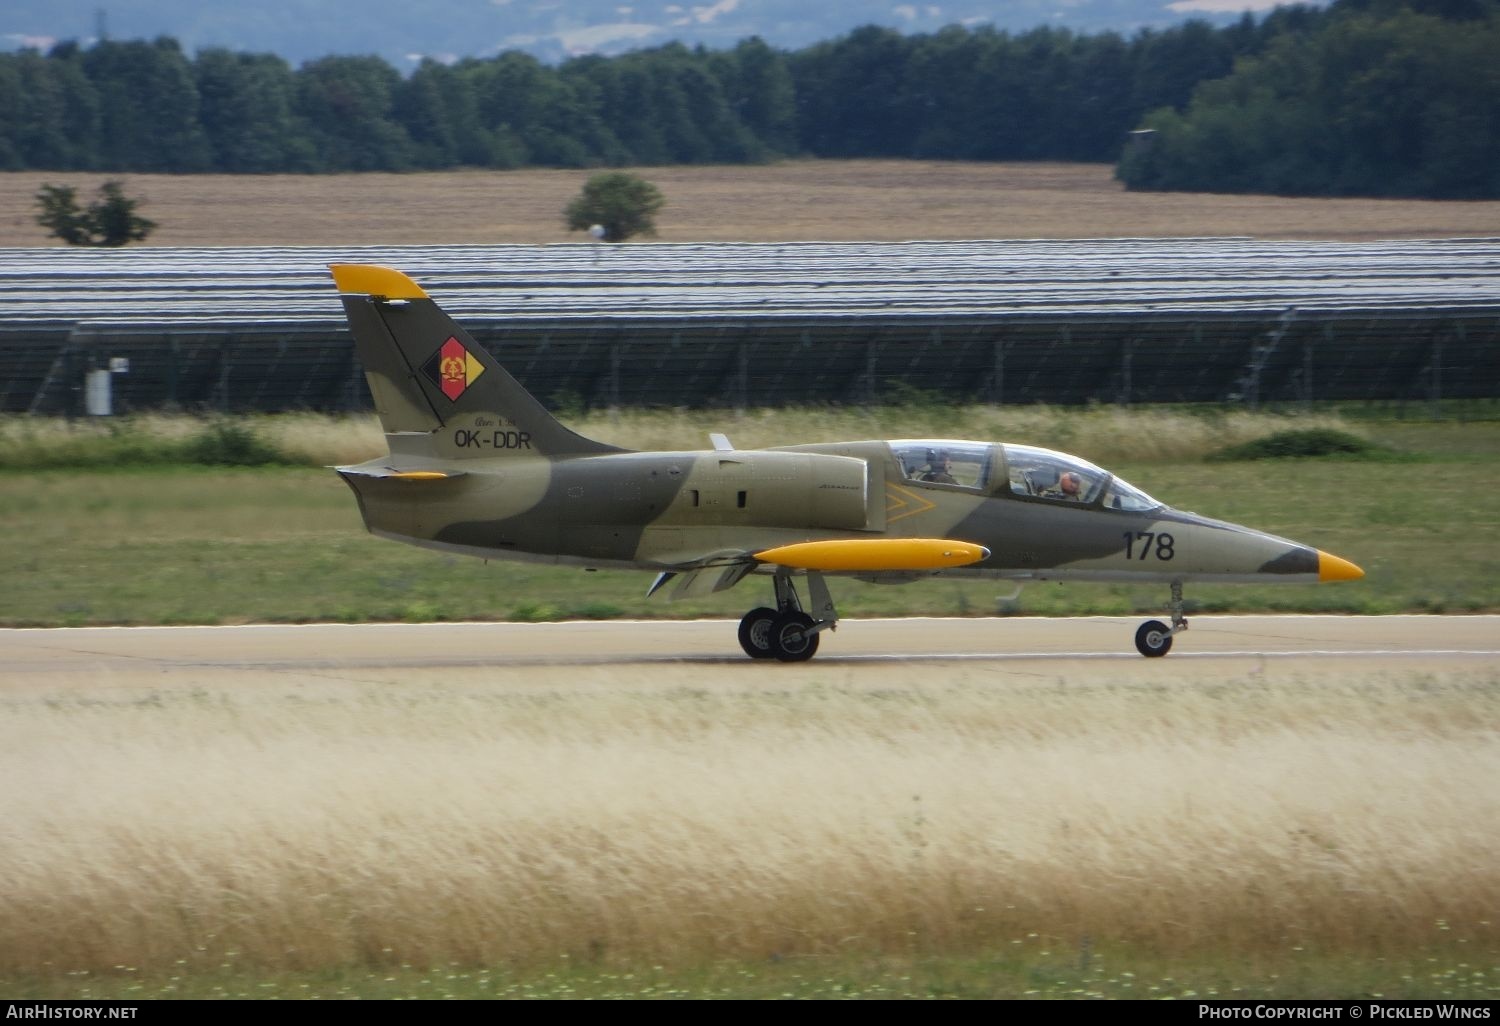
(453,369)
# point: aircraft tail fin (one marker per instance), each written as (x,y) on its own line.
(429,377)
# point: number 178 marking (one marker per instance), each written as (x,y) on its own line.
(1148,543)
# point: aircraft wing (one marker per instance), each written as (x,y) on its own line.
(700,582)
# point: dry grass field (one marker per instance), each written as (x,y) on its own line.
(792,200)
(628,816)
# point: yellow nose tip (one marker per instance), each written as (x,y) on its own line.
(1332,568)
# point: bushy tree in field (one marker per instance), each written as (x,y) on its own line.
(109,221)
(622,204)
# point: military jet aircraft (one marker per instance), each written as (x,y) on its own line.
(478,466)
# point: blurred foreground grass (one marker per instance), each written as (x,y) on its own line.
(1036,967)
(1294,831)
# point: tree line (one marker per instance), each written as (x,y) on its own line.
(960,93)
(1387,99)
(1251,105)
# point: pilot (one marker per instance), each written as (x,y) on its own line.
(1069,485)
(939,468)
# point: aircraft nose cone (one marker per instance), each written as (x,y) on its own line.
(1332,568)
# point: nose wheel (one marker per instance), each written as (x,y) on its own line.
(1154,638)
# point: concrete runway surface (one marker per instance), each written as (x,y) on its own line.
(674,653)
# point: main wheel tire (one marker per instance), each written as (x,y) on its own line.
(1153,639)
(755,633)
(792,639)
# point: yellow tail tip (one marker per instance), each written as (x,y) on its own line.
(371,280)
(1332,568)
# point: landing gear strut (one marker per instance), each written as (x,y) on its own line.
(788,633)
(1154,638)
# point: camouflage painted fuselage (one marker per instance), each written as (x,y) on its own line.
(687,510)
(476,465)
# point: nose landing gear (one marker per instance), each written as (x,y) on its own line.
(1154,638)
(787,633)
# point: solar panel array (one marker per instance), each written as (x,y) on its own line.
(1118,320)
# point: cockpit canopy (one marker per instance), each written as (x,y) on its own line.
(1042,473)
(1025,471)
(941,461)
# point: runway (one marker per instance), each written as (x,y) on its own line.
(1215,647)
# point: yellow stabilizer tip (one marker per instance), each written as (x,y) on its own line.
(1332,568)
(370,280)
(875,554)
(420,475)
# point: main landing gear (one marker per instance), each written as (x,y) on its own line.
(788,633)
(1154,638)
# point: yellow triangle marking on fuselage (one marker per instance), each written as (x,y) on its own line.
(896,499)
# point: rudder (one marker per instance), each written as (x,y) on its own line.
(430,378)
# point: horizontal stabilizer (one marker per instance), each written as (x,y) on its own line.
(873,554)
(389,473)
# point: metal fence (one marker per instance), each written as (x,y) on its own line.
(1114,321)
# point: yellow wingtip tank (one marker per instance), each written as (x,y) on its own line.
(875,554)
(372,280)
